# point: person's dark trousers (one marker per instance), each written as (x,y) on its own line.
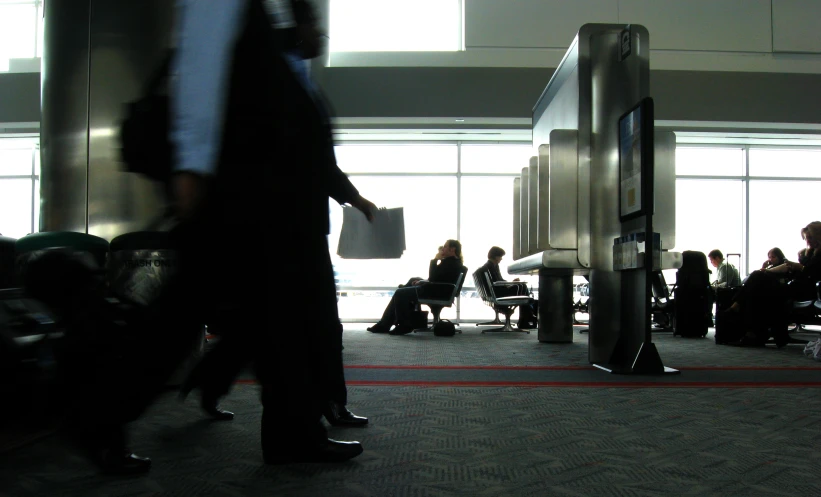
(289,361)
(333,370)
(404,301)
(388,318)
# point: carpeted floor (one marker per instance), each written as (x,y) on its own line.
(495,415)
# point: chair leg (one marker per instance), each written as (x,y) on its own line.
(489,323)
(507,327)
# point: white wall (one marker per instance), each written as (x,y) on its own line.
(701,35)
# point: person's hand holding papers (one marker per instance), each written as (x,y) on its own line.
(365,206)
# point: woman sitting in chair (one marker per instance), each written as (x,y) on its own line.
(775,257)
(445,268)
(763,300)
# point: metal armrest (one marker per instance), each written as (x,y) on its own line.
(509,283)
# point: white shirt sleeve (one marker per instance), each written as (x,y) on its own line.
(206,36)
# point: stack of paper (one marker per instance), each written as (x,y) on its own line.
(384,238)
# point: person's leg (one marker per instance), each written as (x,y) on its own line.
(217,371)
(289,367)
(335,393)
(388,317)
(404,300)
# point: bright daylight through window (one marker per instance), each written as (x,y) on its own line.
(19,186)
(20,30)
(395,26)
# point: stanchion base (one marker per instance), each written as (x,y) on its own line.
(490,323)
(629,370)
(647,362)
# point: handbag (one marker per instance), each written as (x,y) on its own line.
(444,328)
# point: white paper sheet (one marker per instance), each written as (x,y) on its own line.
(384,238)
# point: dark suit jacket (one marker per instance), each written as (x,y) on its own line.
(447,271)
(495,273)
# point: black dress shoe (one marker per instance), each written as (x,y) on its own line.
(379,328)
(781,340)
(122,462)
(211,407)
(339,415)
(329,451)
(401,329)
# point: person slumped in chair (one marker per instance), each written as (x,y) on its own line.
(527,313)
(445,268)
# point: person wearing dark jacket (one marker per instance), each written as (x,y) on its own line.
(763,299)
(494,257)
(445,268)
(527,313)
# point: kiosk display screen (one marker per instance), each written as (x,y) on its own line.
(635,128)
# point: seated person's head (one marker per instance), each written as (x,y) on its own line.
(716,257)
(776,257)
(495,254)
(812,235)
(452,248)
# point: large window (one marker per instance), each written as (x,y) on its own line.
(19,186)
(395,25)
(20,30)
(745,200)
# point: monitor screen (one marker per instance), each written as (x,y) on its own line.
(634,128)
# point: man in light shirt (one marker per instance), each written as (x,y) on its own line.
(252,176)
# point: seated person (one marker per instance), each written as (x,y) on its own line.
(762,301)
(445,268)
(727,273)
(527,313)
(775,257)
(494,257)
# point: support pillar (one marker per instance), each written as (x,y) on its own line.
(555,306)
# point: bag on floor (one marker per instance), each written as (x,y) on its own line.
(444,328)
(813,349)
(419,320)
(729,327)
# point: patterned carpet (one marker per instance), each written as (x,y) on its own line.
(446,435)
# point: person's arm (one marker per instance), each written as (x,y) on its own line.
(787,267)
(207,34)
(432,267)
(496,273)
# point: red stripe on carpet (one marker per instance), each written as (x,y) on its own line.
(581,384)
(579,368)
(587,384)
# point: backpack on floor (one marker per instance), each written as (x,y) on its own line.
(444,328)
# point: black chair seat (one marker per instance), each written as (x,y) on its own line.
(440,295)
